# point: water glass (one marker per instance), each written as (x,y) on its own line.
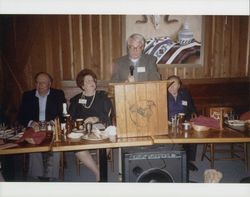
(174,121)
(88,127)
(42,125)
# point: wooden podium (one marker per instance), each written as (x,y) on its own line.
(140,108)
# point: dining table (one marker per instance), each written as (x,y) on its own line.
(25,147)
(191,136)
(174,136)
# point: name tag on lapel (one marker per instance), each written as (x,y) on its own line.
(141,69)
(185,103)
(82,101)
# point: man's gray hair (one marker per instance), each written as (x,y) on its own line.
(137,37)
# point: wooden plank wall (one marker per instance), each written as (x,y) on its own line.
(60,44)
(64,44)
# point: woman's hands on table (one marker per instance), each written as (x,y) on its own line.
(91,120)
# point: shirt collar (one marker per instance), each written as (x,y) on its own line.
(39,96)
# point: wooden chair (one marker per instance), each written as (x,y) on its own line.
(220,113)
(237,151)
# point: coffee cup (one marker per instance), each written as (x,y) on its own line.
(79,123)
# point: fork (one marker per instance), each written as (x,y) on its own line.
(2,126)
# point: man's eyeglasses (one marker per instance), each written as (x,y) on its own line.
(132,48)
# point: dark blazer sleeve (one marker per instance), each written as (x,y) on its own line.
(29,108)
(107,113)
(54,106)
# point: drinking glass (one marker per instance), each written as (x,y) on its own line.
(174,121)
(42,125)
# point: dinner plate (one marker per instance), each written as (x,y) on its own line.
(236,123)
(79,131)
(85,137)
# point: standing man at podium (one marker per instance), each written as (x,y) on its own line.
(135,66)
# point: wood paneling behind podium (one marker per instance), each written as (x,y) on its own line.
(63,45)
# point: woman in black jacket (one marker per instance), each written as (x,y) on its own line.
(93,106)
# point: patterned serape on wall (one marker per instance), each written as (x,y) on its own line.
(169,52)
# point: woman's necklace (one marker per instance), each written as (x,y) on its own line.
(85,104)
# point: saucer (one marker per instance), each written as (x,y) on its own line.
(74,135)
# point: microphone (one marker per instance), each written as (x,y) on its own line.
(131,68)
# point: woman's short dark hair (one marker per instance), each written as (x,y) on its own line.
(176,78)
(81,75)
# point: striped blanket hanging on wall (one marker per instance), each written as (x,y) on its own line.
(169,52)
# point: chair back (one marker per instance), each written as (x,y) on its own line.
(220,113)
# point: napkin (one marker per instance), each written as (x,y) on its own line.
(32,137)
(245,116)
(110,130)
(206,121)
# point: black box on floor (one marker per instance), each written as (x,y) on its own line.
(161,163)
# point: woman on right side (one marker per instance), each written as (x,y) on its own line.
(180,101)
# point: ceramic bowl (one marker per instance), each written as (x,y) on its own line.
(199,127)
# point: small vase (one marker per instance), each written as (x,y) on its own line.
(185,36)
